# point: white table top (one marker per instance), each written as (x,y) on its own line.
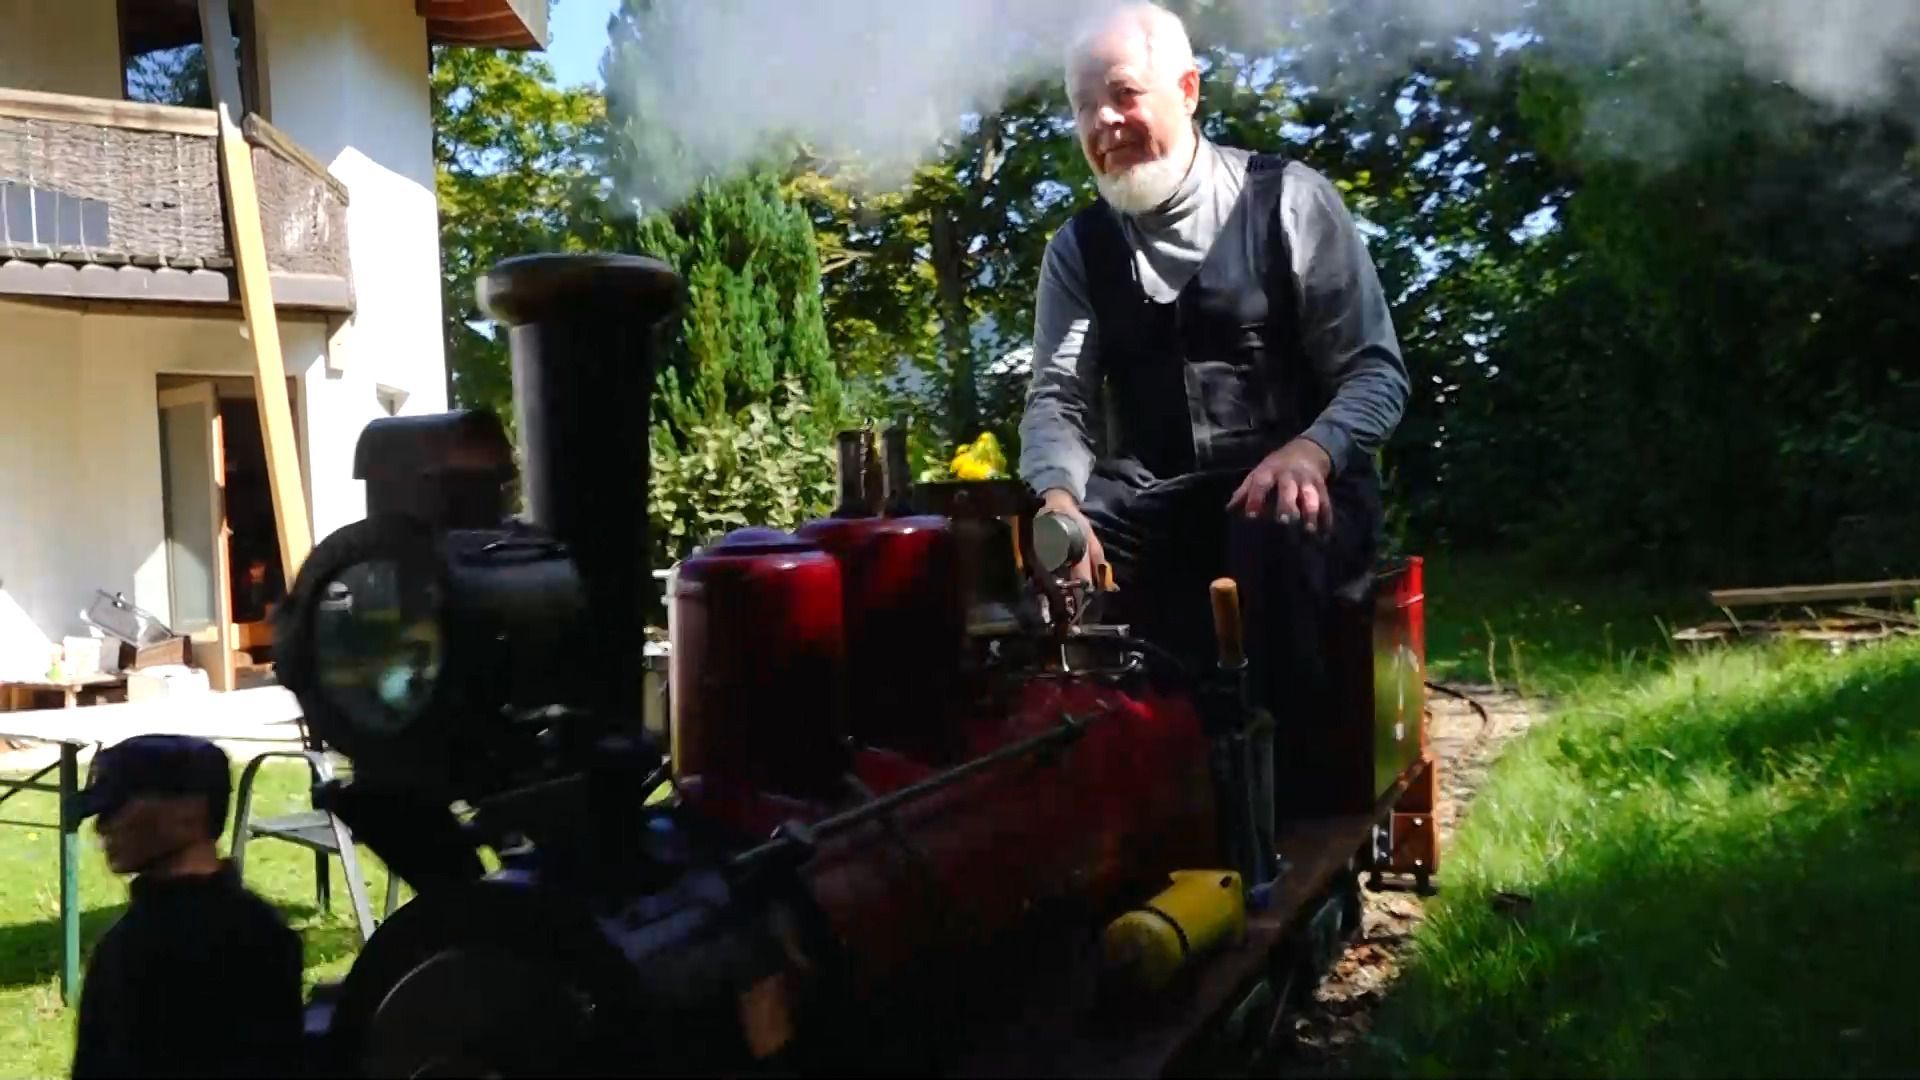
(263,713)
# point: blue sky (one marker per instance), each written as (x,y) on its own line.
(576,38)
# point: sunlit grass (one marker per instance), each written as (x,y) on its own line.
(1723,876)
(36,1031)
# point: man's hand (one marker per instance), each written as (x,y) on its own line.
(1291,485)
(1063,501)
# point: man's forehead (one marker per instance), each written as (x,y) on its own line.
(1118,52)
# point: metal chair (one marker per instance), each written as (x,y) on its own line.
(319,831)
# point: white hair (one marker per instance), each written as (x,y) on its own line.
(1169,50)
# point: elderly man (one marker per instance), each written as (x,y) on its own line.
(1220,312)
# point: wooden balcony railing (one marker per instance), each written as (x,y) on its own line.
(89,182)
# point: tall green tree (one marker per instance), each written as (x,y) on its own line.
(754,317)
(519,168)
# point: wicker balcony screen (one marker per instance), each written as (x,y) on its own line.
(303,216)
(161,190)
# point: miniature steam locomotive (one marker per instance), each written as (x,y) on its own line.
(918,810)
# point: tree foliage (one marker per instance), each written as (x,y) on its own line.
(753,316)
(517,170)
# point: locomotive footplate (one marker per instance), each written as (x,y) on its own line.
(1061,1026)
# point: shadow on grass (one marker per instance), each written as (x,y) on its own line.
(1739,905)
(1501,620)
(30,952)
(329,943)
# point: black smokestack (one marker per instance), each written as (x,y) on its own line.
(582,331)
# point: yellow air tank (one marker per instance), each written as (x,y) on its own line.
(1203,910)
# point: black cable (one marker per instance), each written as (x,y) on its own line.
(1486,721)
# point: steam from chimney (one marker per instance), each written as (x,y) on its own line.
(877,85)
(883,83)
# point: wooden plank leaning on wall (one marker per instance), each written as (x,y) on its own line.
(242,201)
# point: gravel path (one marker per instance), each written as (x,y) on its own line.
(1342,1010)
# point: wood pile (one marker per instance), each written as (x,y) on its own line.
(1837,615)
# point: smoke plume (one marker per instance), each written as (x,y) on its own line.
(877,84)
(884,83)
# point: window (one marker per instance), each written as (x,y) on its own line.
(164,61)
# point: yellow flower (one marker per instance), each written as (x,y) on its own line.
(980,459)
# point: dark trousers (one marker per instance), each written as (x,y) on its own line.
(1169,539)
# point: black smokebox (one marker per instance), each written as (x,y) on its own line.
(582,330)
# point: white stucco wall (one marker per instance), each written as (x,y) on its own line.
(61,47)
(348,80)
(80,482)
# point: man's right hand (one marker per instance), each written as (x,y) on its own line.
(1062,500)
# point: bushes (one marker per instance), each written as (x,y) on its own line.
(770,463)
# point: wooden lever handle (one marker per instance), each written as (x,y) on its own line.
(1103,577)
(1226,622)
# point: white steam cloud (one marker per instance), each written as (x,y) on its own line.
(884,83)
(880,84)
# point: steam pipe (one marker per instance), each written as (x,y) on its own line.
(850,471)
(899,478)
(582,332)
(800,836)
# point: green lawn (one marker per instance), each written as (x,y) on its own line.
(36,1031)
(1720,871)
(1517,625)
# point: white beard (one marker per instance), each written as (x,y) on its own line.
(1144,186)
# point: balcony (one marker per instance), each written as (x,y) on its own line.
(105,200)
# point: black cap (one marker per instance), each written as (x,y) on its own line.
(163,765)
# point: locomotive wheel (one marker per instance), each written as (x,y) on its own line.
(480,981)
(468,1012)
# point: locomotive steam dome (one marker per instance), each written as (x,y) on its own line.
(758,663)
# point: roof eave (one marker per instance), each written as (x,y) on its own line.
(494,24)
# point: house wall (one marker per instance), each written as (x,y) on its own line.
(80,484)
(61,47)
(349,81)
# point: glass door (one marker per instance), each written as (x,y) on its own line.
(193,493)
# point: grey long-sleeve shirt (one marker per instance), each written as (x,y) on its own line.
(1345,326)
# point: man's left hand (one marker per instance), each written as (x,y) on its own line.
(1291,485)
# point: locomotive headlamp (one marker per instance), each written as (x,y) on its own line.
(377,646)
(432,657)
